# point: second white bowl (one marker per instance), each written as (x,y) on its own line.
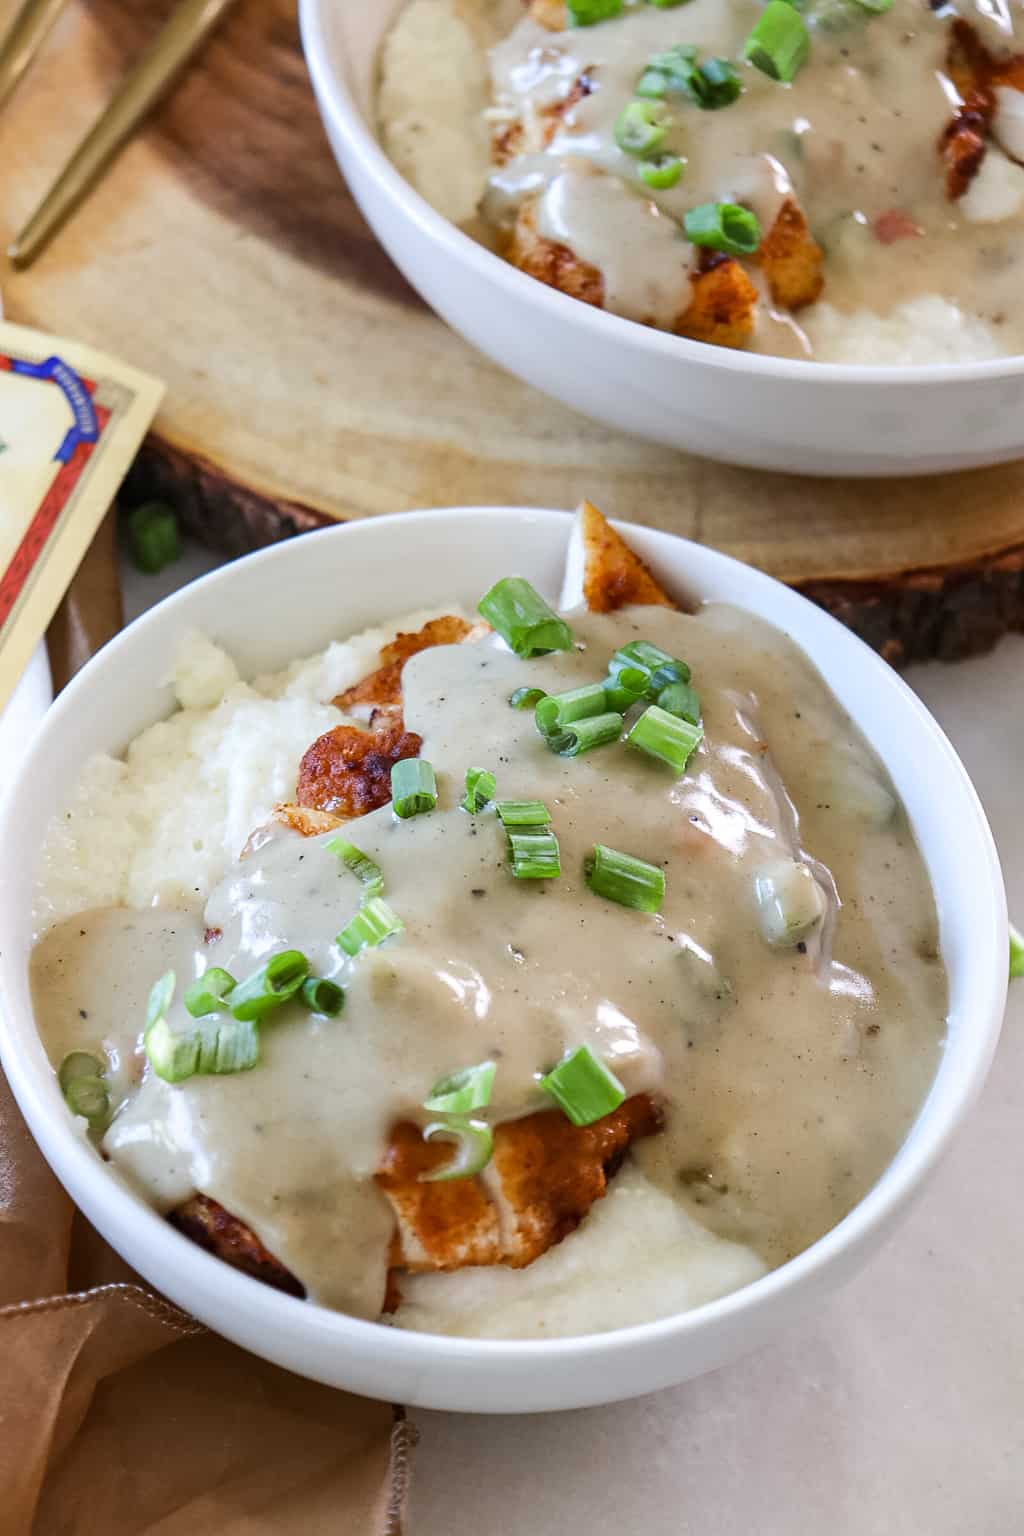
(769,413)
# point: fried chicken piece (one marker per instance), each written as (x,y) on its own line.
(792,259)
(546,1172)
(347,771)
(603,571)
(963,145)
(722,299)
(215,1229)
(543,1178)
(723,305)
(384,686)
(439,1225)
(976,72)
(304,820)
(550,14)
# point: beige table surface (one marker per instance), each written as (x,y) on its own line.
(896,1411)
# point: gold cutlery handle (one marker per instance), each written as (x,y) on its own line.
(144,84)
(23,41)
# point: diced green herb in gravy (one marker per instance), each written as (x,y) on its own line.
(789,1075)
(854,138)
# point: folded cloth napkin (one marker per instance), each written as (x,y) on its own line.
(120,1412)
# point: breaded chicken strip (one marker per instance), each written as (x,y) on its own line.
(791,259)
(977,73)
(215,1229)
(347,771)
(384,686)
(548,13)
(603,572)
(718,304)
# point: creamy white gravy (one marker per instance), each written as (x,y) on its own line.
(789,1078)
(854,136)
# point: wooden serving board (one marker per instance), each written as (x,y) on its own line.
(308,382)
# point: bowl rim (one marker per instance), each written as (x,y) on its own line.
(336,103)
(209,1287)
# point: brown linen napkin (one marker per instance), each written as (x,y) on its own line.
(117,1410)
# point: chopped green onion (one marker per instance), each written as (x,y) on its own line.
(153,536)
(160,996)
(523,619)
(523,813)
(474,1141)
(669,672)
(641,655)
(666,737)
(210,1046)
(838,16)
(583,1087)
(622,691)
(716,84)
(323,996)
(79,1064)
(366,870)
(780,42)
(584,735)
(666,5)
(557,710)
(535,855)
(1016,953)
(526,698)
(480,787)
(88,1097)
(790,903)
(661,173)
(586,13)
(641,127)
(620,877)
(372,924)
(673,58)
(725,226)
(80,1076)
(653,84)
(710,85)
(463,1092)
(267,988)
(209,993)
(682,700)
(413,787)
(877,7)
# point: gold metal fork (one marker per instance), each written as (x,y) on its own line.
(141,88)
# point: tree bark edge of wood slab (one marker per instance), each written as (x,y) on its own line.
(938,612)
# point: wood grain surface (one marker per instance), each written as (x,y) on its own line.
(308,382)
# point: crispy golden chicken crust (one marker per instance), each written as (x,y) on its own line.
(543,1178)
(548,13)
(791,259)
(384,686)
(613,576)
(976,72)
(215,1229)
(722,305)
(347,771)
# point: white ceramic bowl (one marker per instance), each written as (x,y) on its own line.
(322,587)
(771,413)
